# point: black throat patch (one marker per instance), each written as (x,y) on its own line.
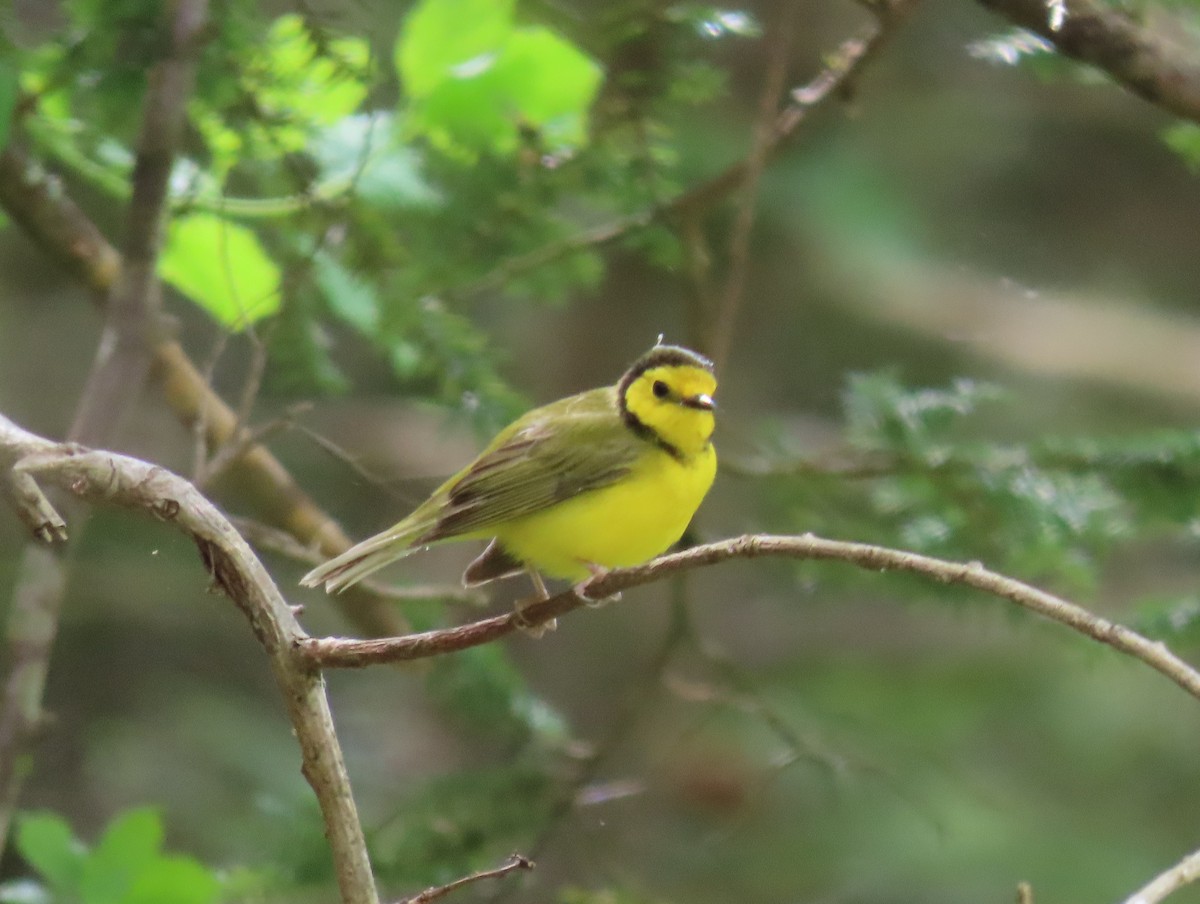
(659,356)
(648,433)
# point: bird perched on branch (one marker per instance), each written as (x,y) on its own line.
(607,478)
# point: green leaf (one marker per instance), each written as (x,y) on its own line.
(299,78)
(129,845)
(474,88)
(221,266)
(444,39)
(550,82)
(173,880)
(46,842)
(1184,139)
(469,114)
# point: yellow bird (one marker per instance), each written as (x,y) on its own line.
(607,478)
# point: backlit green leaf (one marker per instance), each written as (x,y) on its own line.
(173,880)
(445,39)
(474,88)
(129,845)
(550,82)
(221,266)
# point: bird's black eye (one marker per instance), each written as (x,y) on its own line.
(660,389)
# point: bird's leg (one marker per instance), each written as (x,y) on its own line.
(534,631)
(538,584)
(595,573)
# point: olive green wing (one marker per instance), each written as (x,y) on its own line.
(550,455)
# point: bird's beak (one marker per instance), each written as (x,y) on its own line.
(702,401)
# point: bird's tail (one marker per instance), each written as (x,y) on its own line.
(362,559)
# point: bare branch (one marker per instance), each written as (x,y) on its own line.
(514,863)
(843,68)
(342,653)
(32,626)
(36,201)
(743,223)
(244,439)
(106,477)
(1162,70)
(132,319)
(1182,873)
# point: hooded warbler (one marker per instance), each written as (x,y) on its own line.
(603,479)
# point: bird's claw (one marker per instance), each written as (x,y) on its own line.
(583,588)
(525,625)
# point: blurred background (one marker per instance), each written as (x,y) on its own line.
(968,327)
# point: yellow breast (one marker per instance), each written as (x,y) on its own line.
(626,523)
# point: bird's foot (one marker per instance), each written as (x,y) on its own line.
(583,588)
(535,629)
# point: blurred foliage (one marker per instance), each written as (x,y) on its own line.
(478,81)
(1050,508)
(369,199)
(221,266)
(126,865)
(460,823)
(499,146)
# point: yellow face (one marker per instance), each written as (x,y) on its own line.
(675,401)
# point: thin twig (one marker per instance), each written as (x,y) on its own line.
(245,439)
(846,64)
(514,863)
(1182,873)
(743,222)
(849,464)
(344,456)
(842,69)
(267,538)
(132,322)
(200,422)
(341,653)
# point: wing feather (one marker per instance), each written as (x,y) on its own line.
(551,455)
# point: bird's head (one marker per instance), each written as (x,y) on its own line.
(669,393)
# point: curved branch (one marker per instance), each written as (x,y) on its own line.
(342,653)
(1182,873)
(120,480)
(1164,72)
